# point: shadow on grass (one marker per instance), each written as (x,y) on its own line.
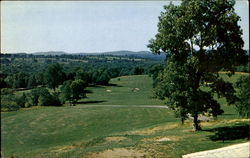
(230,132)
(103,86)
(114,85)
(91,102)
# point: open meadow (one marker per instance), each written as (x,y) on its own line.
(117,120)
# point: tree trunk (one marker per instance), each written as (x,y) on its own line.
(182,120)
(196,123)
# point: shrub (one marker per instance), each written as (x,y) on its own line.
(21,100)
(8,103)
(47,99)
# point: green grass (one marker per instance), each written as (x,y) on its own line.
(82,129)
(122,94)
(29,130)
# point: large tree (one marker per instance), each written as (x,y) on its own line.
(200,38)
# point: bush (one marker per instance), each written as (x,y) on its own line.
(28,102)
(55,101)
(21,100)
(8,103)
(47,99)
(34,95)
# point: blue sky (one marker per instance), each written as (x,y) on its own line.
(84,26)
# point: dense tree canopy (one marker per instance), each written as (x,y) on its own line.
(54,75)
(200,38)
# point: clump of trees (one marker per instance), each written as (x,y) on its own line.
(200,38)
(8,102)
(36,97)
(72,91)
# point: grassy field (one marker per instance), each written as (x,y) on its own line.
(117,120)
(126,90)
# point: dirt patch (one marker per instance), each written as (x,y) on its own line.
(162,139)
(63,149)
(224,121)
(115,139)
(236,120)
(118,153)
(241,73)
(155,129)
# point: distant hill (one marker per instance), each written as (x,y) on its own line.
(139,54)
(50,53)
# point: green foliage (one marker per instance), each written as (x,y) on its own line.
(40,78)
(103,78)
(82,75)
(243,95)
(66,91)
(78,89)
(21,100)
(3,84)
(34,95)
(54,75)
(32,82)
(8,100)
(73,90)
(18,80)
(154,72)
(242,68)
(47,99)
(84,129)
(138,71)
(8,105)
(198,42)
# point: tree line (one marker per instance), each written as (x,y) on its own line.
(56,83)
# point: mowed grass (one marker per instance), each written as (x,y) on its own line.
(82,130)
(126,90)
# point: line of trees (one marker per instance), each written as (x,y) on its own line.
(55,85)
(33,78)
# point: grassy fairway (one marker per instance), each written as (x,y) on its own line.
(122,92)
(132,127)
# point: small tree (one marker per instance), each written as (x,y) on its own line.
(78,90)
(66,92)
(73,91)
(33,96)
(82,75)
(200,38)
(103,78)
